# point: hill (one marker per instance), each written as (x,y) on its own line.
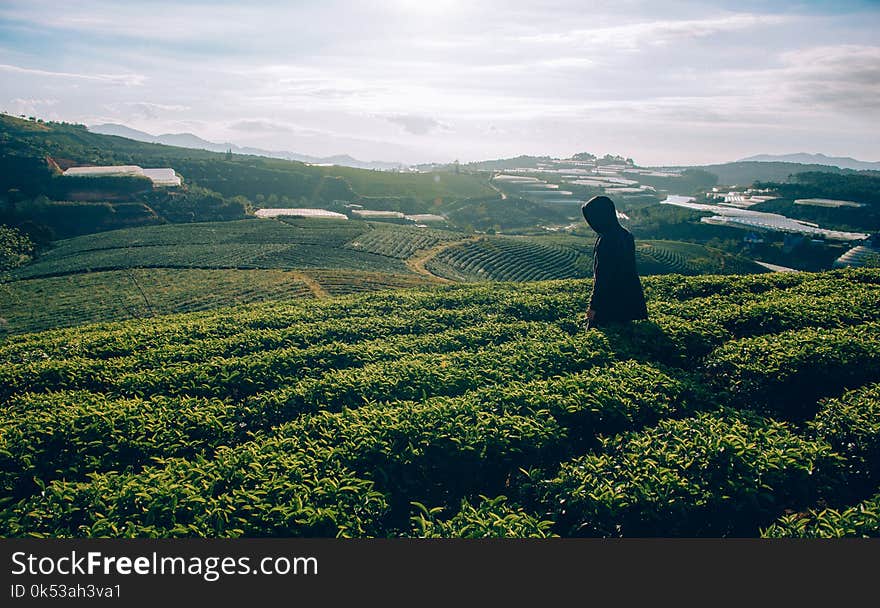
(27,143)
(93,277)
(468,410)
(745,173)
(862,188)
(541,258)
(188,140)
(841,162)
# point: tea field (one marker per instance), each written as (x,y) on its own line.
(151,270)
(542,258)
(745,406)
(136,293)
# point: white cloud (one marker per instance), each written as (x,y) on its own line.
(150,110)
(161,21)
(416,125)
(842,78)
(32,107)
(123,79)
(260,126)
(655,32)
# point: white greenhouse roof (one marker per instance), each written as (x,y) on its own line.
(300,212)
(164,176)
(746,218)
(104,171)
(826,202)
(426,217)
(376,213)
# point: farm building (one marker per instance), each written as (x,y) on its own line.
(164,176)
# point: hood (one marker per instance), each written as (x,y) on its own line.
(600,214)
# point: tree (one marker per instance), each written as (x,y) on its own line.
(16,249)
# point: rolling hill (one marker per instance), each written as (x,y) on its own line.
(26,144)
(803,158)
(188,140)
(745,173)
(92,277)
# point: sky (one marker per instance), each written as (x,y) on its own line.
(666,83)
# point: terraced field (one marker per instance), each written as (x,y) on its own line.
(541,258)
(145,271)
(153,270)
(661,257)
(342,282)
(116,295)
(137,292)
(243,244)
(400,242)
(464,410)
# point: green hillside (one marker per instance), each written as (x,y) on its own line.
(198,266)
(745,173)
(542,258)
(25,144)
(467,410)
(104,296)
(243,244)
(151,270)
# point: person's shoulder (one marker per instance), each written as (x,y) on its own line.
(626,234)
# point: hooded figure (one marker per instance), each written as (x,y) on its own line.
(617,290)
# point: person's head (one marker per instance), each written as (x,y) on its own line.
(600,214)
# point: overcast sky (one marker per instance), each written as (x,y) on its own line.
(675,82)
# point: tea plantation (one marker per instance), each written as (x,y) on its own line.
(746,406)
(150,270)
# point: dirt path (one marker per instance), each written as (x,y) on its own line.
(498,190)
(312,284)
(418,261)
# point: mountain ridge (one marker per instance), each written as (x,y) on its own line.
(190,140)
(805,158)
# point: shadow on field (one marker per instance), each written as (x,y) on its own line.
(644,341)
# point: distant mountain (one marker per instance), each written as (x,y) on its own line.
(744,173)
(843,162)
(188,140)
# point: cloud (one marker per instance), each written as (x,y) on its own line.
(35,102)
(654,33)
(844,78)
(417,125)
(150,110)
(513,76)
(166,21)
(260,126)
(123,79)
(32,106)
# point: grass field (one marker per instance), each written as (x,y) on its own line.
(465,410)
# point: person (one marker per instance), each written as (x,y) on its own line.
(617,291)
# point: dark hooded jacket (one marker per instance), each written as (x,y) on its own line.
(617,290)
